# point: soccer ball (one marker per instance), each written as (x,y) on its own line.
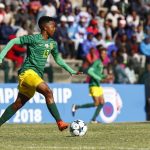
(78,128)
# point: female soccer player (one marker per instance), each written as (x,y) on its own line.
(39,46)
(95,72)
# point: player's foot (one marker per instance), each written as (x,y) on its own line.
(73,109)
(94,121)
(62,125)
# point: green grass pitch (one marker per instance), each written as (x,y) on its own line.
(115,136)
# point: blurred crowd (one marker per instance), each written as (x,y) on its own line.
(116,30)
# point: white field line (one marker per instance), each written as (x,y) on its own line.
(75,148)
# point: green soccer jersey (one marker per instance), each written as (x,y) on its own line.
(95,72)
(38,50)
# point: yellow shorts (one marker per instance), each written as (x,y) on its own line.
(96,91)
(28,81)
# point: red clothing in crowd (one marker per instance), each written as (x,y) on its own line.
(15,53)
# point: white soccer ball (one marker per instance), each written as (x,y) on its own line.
(78,128)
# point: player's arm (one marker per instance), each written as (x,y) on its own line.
(61,62)
(8,47)
(92,73)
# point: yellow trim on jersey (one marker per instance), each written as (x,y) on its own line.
(28,81)
(96,91)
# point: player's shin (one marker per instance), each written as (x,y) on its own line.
(9,112)
(97,112)
(54,111)
(88,105)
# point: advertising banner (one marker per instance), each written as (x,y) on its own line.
(123,103)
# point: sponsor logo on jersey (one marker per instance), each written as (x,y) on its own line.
(46,45)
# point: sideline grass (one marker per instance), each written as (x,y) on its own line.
(116,136)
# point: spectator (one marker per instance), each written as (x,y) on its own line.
(112,47)
(110,74)
(107,31)
(2,12)
(21,16)
(113,57)
(139,33)
(9,16)
(66,45)
(72,27)
(93,27)
(136,6)
(89,59)
(92,7)
(122,42)
(120,29)
(135,54)
(114,14)
(84,16)
(123,6)
(65,7)
(120,75)
(5,31)
(22,30)
(50,10)
(80,36)
(16,54)
(145,47)
(35,6)
(81,26)
(101,17)
(86,45)
(133,19)
(98,39)
(129,70)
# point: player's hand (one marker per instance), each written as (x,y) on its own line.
(79,73)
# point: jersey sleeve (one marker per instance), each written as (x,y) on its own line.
(93,75)
(96,63)
(27,39)
(60,61)
(91,71)
(9,45)
(54,51)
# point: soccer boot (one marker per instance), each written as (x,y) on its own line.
(94,121)
(62,125)
(73,110)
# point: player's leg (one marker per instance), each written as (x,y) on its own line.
(93,92)
(75,107)
(99,103)
(26,87)
(12,109)
(48,94)
(98,99)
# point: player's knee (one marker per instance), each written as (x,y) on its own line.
(101,101)
(49,96)
(96,103)
(17,105)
